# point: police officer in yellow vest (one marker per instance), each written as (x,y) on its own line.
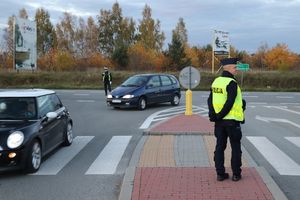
(226,109)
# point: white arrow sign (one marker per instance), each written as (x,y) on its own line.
(269,119)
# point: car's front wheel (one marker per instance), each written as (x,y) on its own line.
(35,157)
(142,104)
(175,100)
(68,135)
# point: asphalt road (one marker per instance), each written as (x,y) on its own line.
(102,127)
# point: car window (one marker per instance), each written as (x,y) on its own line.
(45,105)
(55,101)
(165,80)
(174,81)
(17,108)
(154,82)
(135,81)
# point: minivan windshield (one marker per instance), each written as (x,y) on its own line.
(17,108)
(135,81)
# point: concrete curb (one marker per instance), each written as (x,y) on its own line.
(267,179)
(174,133)
(270,183)
(127,185)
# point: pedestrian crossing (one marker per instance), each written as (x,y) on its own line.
(280,161)
(105,163)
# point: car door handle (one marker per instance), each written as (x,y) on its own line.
(58,117)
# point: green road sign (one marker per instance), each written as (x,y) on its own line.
(242,67)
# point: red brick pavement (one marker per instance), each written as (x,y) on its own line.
(167,183)
(185,124)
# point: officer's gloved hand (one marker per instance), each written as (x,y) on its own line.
(110,82)
(244,105)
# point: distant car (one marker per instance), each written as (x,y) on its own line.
(33,122)
(141,90)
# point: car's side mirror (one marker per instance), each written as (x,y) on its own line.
(51,115)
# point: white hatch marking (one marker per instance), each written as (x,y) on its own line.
(283,164)
(294,140)
(109,158)
(61,158)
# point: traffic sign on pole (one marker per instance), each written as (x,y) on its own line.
(242,66)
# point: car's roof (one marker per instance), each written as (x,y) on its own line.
(152,74)
(25,93)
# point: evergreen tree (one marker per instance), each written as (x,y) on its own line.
(176,53)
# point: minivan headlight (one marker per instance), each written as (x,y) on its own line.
(15,139)
(128,96)
(109,96)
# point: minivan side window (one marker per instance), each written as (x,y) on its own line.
(173,79)
(165,80)
(154,82)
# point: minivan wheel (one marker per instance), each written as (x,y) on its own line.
(142,104)
(34,157)
(175,100)
(68,135)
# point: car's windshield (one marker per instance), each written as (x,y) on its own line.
(135,81)
(17,108)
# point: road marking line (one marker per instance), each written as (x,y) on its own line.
(61,158)
(110,156)
(294,140)
(283,164)
(78,94)
(85,101)
(284,97)
(258,103)
(288,110)
(250,96)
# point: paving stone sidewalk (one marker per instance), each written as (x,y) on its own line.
(174,160)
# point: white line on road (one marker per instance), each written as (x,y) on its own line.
(78,94)
(85,101)
(251,96)
(285,109)
(61,158)
(284,97)
(283,164)
(268,119)
(258,103)
(294,140)
(109,158)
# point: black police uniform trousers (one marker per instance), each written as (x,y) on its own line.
(107,86)
(222,132)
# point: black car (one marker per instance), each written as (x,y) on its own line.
(142,90)
(33,122)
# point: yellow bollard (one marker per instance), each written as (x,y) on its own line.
(188,102)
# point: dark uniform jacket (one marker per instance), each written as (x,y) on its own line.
(231,95)
(106,77)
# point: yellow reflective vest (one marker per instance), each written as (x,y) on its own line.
(219,94)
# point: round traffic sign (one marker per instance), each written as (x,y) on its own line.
(189,77)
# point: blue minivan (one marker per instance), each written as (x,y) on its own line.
(144,89)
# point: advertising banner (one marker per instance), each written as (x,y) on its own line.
(221,43)
(25,44)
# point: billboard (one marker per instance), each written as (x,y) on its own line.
(25,44)
(221,43)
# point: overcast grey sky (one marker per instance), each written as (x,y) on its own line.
(250,23)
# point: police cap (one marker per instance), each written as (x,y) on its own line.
(229,61)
